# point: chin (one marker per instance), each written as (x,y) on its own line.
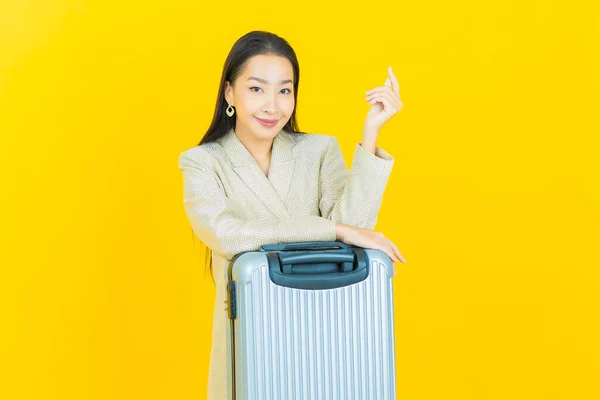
(264,132)
(267,134)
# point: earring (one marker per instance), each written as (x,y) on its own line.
(230,112)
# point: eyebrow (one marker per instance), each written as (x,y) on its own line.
(266,81)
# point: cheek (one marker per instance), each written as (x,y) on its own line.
(287,106)
(247,103)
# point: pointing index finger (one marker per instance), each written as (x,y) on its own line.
(395,83)
(388,83)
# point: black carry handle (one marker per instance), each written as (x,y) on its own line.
(304,246)
(296,262)
(325,269)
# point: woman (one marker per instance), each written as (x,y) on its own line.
(255,179)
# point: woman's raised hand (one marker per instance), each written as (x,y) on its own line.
(385,103)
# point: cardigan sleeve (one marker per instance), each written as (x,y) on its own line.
(216,222)
(353,197)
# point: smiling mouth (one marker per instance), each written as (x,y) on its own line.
(268,121)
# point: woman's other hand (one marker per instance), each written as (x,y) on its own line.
(369,240)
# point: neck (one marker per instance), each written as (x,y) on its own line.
(260,149)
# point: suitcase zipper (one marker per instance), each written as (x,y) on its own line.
(231,308)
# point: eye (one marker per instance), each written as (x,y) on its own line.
(256,91)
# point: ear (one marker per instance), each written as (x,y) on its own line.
(228,93)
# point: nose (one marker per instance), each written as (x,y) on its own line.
(270,105)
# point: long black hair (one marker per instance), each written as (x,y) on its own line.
(251,44)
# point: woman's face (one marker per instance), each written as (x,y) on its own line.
(263,90)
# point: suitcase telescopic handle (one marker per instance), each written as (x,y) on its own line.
(305,246)
(325,269)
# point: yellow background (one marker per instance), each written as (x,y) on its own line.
(493,199)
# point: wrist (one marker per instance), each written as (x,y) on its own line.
(371,147)
(369,140)
(340,230)
(370,132)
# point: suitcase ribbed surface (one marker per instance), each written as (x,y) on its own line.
(316,344)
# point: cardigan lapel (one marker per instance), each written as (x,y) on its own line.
(281,168)
(272,190)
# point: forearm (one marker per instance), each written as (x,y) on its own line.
(230,236)
(369,140)
(357,200)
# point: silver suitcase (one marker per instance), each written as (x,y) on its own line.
(311,320)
